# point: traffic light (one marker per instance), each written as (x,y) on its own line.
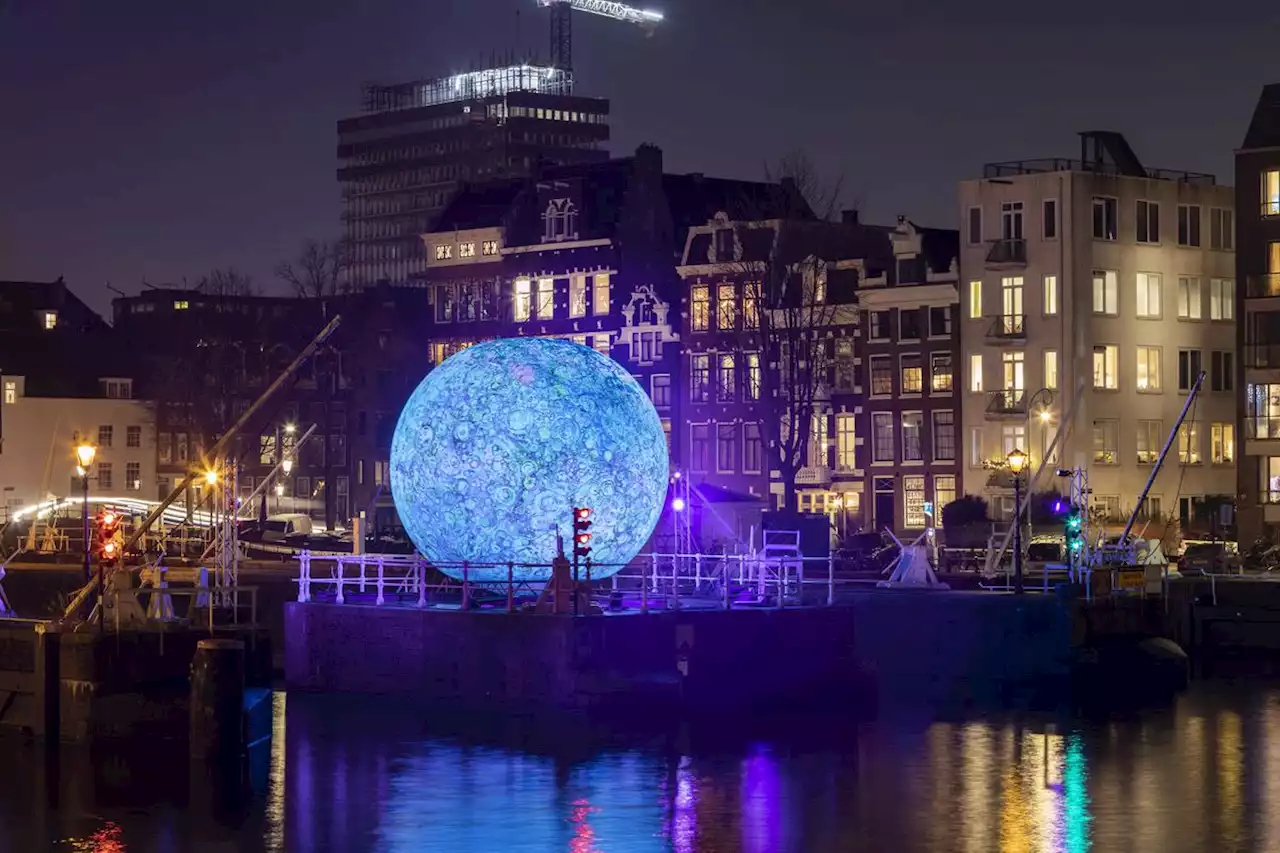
(1074,533)
(581,531)
(108,537)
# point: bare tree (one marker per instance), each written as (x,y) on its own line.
(319,270)
(227,282)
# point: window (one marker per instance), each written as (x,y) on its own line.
(524,299)
(752,449)
(846,450)
(912,424)
(1148,368)
(879,327)
(10,392)
(1012,437)
(944,436)
(1222,443)
(546,298)
(1148,225)
(940,378)
(1188,298)
(489,247)
(133,436)
(1188,368)
(753,376)
(1189,443)
(1105,358)
(1189,225)
(1262,411)
(975,447)
(444,252)
(164,448)
(1051,368)
(104,435)
(660,390)
(1105,212)
(975,300)
(882,437)
(699,449)
(881,375)
(560,220)
(444,303)
(726,307)
(913,502)
(49,320)
(1150,438)
(1222,299)
(700,315)
(104,476)
(1222,366)
(1015,380)
(940,322)
(975,372)
(751,306)
(577,296)
(700,378)
(909,324)
(1105,439)
(600,295)
(466,250)
(1271,192)
(1050,295)
(1148,295)
(1222,229)
(133,476)
(726,448)
(1011,220)
(118,389)
(726,384)
(1049,218)
(1011,308)
(846,370)
(912,374)
(1108,506)
(974,230)
(819,441)
(944,492)
(1105,292)
(181,305)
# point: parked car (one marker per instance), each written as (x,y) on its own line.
(1210,558)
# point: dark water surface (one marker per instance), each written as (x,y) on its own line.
(1202,774)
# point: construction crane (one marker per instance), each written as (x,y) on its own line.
(562,26)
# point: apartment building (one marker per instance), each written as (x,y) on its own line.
(1095,292)
(1258,268)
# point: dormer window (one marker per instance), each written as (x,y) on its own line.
(466,250)
(724,244)
(118,389)
(489,247)
(48,320)
(560,220)
(444,252)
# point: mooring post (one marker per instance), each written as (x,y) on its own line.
(831,579)
(511,587)
(340,599)
(217,699)
(304,576)
(420,575)
(466,586)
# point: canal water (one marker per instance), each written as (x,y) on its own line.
(356,775)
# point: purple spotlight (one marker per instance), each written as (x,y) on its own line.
(677,504)
(1057,506)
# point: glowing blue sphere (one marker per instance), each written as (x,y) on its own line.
(501,441)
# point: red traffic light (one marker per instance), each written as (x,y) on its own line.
(583,538)
(109,550)
(582,514)
(108,519)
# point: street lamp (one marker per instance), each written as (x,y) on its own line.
(1017,461)
(85,452)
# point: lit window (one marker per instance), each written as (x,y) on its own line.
(466,250)
(726,307)
(1051,368)
(50,320)
(1148,368)
(1189,307)
(751,305)
(1189,444)
(1105,293)
(1150,437)
(940,377)
(726,386)
(753,376)
(1051,294)
(578,296)
(600,295)
(546,298)
(975,372)
(601,344)
(913,502)
(881,375)
(1271,192)
(912,374)
(444,252)
(524,299)
(1148,295)
(1222,299)
(700,378)
(10,392)
(1222,438)
(1105,376)
(181,305)
(700,311)
(975,300)
(489,247)
(944,492)
(1105,439)
(845,446)
(133,476)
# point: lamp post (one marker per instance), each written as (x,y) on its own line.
(1043,398)
(286,466)
(85,453)
(1017,461)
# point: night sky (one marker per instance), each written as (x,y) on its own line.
(147,140)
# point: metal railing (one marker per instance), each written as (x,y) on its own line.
(1009,250)
(1271,207)
(1036,166)
(1011,401)
(1258,286)
(1008,326)
(1262,356)
(1263,428)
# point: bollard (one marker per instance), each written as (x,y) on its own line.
(217,700)
(420,576)
(511,587)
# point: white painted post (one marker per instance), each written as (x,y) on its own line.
(381,581)
(304,576)
(362,578)
(654,566)
(420,575)
(697,572)
(831,579)
(338,571)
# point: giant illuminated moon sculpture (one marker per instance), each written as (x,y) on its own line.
(501,441)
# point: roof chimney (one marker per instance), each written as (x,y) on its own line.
(849,217)
(902,220)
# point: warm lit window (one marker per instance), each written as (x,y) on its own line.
(975,300)
(975,372)
(751,305)
(1189,306)
(940,375)
(1148,368)
(10,392)
(1189,444)
(489,247)
(975,447)
(912,374)
(846,450)
(944,492)
(466,250)
(1148,295)
(1150,440)
(1105,375)
(1106,292)
(577,296)
(753,376)
(546,298)
(600,295)
(1051,294)
(700,308)
(700,378)
(726,386)
(524,299)
(1271,192)
(1222,299)
(913,503)
(49,320)
(1222,438)
(1051,368)
(881,375)
(819,441)
(1147,214)
(1012,437)
(726,307)
(444,252)
(912,427)
(1105,441)
(601,344)
(181,305)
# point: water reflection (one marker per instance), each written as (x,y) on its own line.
(1202,775)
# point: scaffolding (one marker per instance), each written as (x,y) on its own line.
(468,86)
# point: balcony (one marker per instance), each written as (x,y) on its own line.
(1271,207)
(1008,328)
(1010,403)
(1262,428)
(1262,286)
(1010,252)
(813,475)
(1262,356)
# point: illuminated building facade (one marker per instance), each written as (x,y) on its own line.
(417,143)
